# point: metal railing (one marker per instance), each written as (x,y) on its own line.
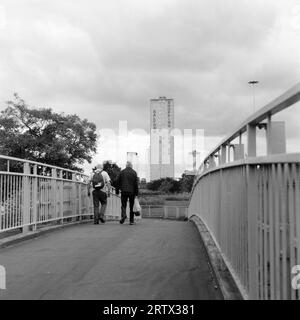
(251,205)
(33,194)
(164,212)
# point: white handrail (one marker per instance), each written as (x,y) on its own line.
(251,205)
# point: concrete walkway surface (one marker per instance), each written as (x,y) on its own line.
(154,259)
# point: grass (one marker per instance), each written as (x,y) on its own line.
(150,198)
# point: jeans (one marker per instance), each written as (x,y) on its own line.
(99,196)
(124,198)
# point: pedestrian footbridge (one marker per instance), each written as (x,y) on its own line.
(247,205)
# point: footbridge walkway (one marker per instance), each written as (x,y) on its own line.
(246,206)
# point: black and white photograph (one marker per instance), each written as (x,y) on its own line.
(149,154)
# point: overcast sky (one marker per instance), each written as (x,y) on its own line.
(105,60)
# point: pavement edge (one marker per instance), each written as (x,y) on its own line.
(226,281)
(15,239)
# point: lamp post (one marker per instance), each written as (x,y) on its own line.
(253,83)
(194,153)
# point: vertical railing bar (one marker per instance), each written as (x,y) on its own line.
(19,200)
(10,200)
(1,202)
(265,240)
(6,201)
(261,212)
(272,195)
(292,235)
(284,215)
(277,235)
(297,215)
(15,200)
(34,197)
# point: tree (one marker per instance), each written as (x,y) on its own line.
(113,171)
(154,185)
(186,183)
(165,185)
(40,134)
(176,187)
(169,185)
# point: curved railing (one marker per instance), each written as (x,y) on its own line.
(33,194)
(251,204)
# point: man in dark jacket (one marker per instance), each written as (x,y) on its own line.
(127,182)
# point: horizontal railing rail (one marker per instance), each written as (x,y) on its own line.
(164,211)
(251,204)
(286,100)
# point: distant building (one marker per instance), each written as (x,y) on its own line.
(161,147)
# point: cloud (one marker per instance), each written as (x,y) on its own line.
(105,60)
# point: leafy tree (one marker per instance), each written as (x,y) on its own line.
(40,134)
(166,185)
(169,185)
(176,187)
(154,185)
(186,183)
(113,171)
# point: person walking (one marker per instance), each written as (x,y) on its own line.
(99,181)
(127,182)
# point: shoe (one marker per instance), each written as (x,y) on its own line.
(96,222)
(102,220)
(123,220)
(131,223)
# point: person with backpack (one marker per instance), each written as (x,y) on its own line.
(98,181)
(127,182)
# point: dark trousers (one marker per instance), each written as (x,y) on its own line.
(99,196)
(124,198)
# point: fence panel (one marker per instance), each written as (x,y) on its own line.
(34,194)
(164,212)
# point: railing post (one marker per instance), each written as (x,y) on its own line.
(74,196)
(61,197)
(251,137)
(53,193)
(238,151)
(34,197)
(223,154)
(228,150)
(269,135)
(165,212)
(276,139)
(177,213)
(252,214)
(80,199)
(212,163)
(26,197)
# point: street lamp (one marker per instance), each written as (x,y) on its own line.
(253,83)
(194,153)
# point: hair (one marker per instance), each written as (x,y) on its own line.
(128,164)
(99,166)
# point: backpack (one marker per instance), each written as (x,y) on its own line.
(98,181)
